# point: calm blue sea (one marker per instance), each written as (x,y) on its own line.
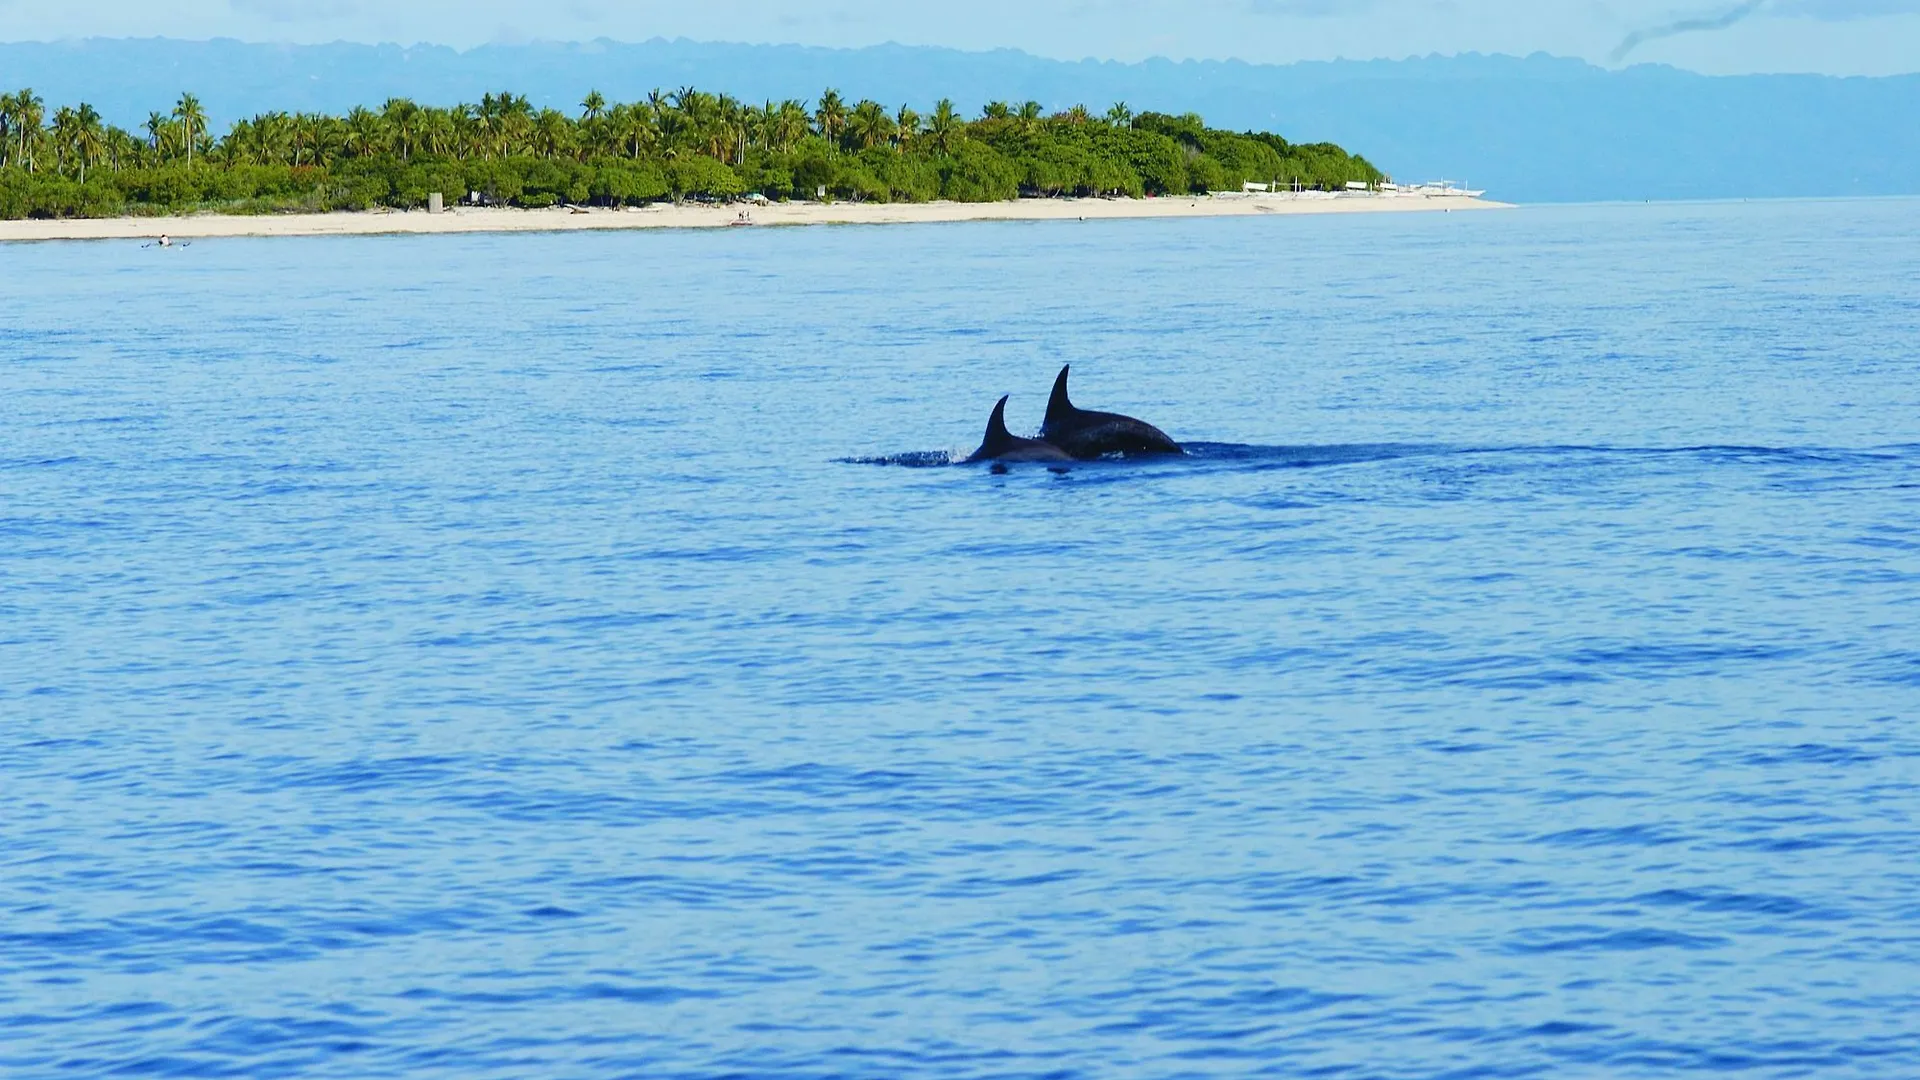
(564,656)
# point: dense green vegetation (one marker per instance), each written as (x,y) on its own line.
(684,145)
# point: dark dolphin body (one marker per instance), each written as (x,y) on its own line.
(1003,445)
(1085,434)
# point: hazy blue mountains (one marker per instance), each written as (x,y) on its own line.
(1532,129)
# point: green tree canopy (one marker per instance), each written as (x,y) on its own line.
(684,143)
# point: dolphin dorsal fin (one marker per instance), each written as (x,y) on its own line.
(998,438)
(1059,409)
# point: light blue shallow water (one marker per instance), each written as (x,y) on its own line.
(480,657)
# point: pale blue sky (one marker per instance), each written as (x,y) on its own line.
(1831,36)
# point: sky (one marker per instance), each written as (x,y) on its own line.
(1836,37)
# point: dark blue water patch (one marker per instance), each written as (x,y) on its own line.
(1457,747)
(1560,1029)
(265,937)
(814,779)
(1642,836)
(1774,1057)
(40,462)
(117,420)
(1896,668)
(370,774)
(1565,939)
(640,994)
(1811,754)
(1722,901)
(51,527)
(1670,659)
(1781,845)
(1894,543)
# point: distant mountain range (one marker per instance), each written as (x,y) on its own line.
(1533,129)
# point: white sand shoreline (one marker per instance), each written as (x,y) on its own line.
(697,216)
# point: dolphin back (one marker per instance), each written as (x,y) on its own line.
(1086,434)
(999,444)
(1099,434)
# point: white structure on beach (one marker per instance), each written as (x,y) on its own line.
(1444,189)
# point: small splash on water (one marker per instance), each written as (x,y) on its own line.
(913,459)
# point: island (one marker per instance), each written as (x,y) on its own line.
(680,159)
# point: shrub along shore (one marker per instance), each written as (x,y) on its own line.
(687,145)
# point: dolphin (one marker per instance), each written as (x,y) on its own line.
(1085,434)
(1003,445)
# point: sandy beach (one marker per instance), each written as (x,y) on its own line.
(698,216)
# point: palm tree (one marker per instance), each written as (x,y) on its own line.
(29,113)
(472,131)
(192,118)
(305,137)
(437,130)
(831,116)
(760,120)
(272,138)
(944,127)
(870,126)
(158,133)
(679,119)
(77,138)
(89,139)
(790,125)
(516,124)
(636,128)
(333,139)
(730,131)
(65,120)
(502,123)
(1030,114)
(237,148)
(595,136)
(1078,116)
(482,121)
(6,127)
(244,143)
(907,124)
(996,110)
(593,107)
(552,133)
(1120,115)
(364,135)
(402,120)
(123,150)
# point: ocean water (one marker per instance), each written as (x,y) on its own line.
(569,656)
